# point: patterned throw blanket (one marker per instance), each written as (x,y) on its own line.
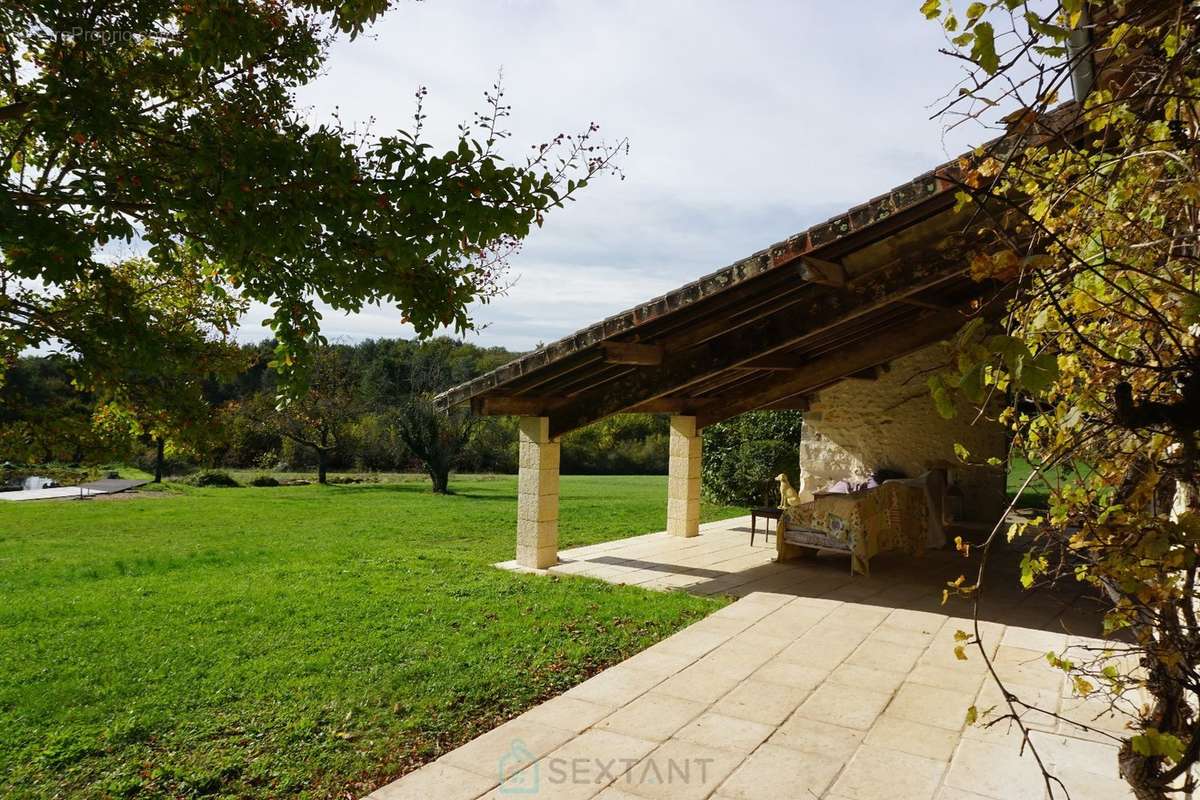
(892,516)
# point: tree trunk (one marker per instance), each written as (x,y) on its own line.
(322,457)
(441,479)
(158,459)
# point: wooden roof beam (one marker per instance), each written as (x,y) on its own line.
(646,355)
(781,362)
(797,403)
(919,303)
(826,273)
(672,405)
(517,406)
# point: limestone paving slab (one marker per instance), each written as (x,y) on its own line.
(819,738)
(845,706)
(680,770)
(652,716)
(763,702)
(731,733)
(772,772)
(878,773)
(485,755)
(616,686)
(701,682)
(567,713)
(995,769)
(853,675)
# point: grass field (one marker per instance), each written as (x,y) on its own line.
(297,641)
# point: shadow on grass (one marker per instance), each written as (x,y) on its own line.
(414,488)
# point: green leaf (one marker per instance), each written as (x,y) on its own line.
(1039,372)
(1031,567)
(975,11)
(971,383)
(1015,354)
(972,715)
(941,397)
(1156,743)
(984,49)
(931,8)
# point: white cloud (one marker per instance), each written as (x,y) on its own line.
(748,121)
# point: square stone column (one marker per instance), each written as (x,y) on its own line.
(683,485)
(537,495)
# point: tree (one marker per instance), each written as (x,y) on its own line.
(191,328)
(436,436)
(321,416)
(1088,213)
(743,455)
(174,124)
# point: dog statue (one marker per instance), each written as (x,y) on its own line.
(787,493)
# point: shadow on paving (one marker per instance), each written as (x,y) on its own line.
(720,561)
(917,583)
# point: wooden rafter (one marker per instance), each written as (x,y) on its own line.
(849,360)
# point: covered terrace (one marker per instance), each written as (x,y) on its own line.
(836,303)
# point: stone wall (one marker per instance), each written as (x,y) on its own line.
(857,426)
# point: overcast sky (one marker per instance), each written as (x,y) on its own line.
(747,122)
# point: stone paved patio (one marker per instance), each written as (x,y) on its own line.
(812,685)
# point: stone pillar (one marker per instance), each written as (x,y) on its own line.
(683,485)
(537,495)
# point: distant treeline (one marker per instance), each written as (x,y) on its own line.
(45,418)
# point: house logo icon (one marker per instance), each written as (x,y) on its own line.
(514,763)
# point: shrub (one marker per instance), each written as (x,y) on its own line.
(263,480)
(213,477)
(630,444)
(743,455)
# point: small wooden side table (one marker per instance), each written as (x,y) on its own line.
(766,513)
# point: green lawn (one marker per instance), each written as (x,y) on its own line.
(1037,493)
(309,641)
